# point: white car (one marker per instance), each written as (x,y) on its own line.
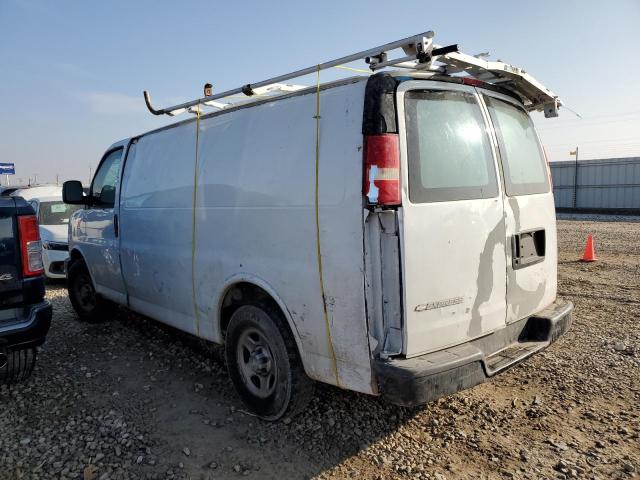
(391,234)
(53,215)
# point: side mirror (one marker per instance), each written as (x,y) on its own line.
(72,193)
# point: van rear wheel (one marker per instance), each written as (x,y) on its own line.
(264,364)
(88,304)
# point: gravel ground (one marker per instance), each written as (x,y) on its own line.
(132,399)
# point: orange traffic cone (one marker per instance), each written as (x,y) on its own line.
(589,250)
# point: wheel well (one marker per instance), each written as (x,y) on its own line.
(241,294)
(74,256)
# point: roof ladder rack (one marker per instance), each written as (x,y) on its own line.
(420,53)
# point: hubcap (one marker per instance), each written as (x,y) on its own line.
(256,363)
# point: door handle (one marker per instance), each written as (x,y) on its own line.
(528,248)
(115,225)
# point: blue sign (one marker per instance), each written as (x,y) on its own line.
(7,169)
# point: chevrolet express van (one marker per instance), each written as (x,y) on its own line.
(401,243)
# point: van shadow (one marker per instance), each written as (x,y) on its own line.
(190,403)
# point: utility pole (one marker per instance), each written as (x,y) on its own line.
(57,179)
(90,174)
(575,179)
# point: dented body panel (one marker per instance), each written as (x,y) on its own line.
(253,221)
(383,282)
(256,217)
(532,288)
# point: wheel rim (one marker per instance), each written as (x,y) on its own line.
(256,362)
(85,293)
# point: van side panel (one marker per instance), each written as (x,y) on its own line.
(342,231)
(256,220)
(155,225)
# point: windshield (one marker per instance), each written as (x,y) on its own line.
(55,213)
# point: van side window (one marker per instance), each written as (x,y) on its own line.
(449,150)
(525,172)
(103,187)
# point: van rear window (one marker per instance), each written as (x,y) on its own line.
(449,149)
(523,162)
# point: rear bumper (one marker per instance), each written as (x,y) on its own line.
(418,380)
(29,331)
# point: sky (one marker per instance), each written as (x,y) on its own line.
(72,72)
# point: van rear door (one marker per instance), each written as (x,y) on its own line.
(531,247)
(452,217)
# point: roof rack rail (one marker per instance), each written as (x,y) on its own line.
(420,54)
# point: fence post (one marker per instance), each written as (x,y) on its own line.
(575,180)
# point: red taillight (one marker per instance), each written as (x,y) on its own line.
(382,168)
(30,245)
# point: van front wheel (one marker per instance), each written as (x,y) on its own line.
(89,306)
(264,363)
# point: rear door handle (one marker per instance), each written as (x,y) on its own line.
(528,248)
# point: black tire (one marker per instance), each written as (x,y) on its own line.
(89,306)
(18,365)
(270,379)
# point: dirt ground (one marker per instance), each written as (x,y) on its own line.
(132,399)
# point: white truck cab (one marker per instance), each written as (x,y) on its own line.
(392,234)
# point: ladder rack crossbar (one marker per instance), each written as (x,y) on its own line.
(298,73)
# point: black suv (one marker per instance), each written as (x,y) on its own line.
(25,316)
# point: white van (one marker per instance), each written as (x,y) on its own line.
(252,227)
